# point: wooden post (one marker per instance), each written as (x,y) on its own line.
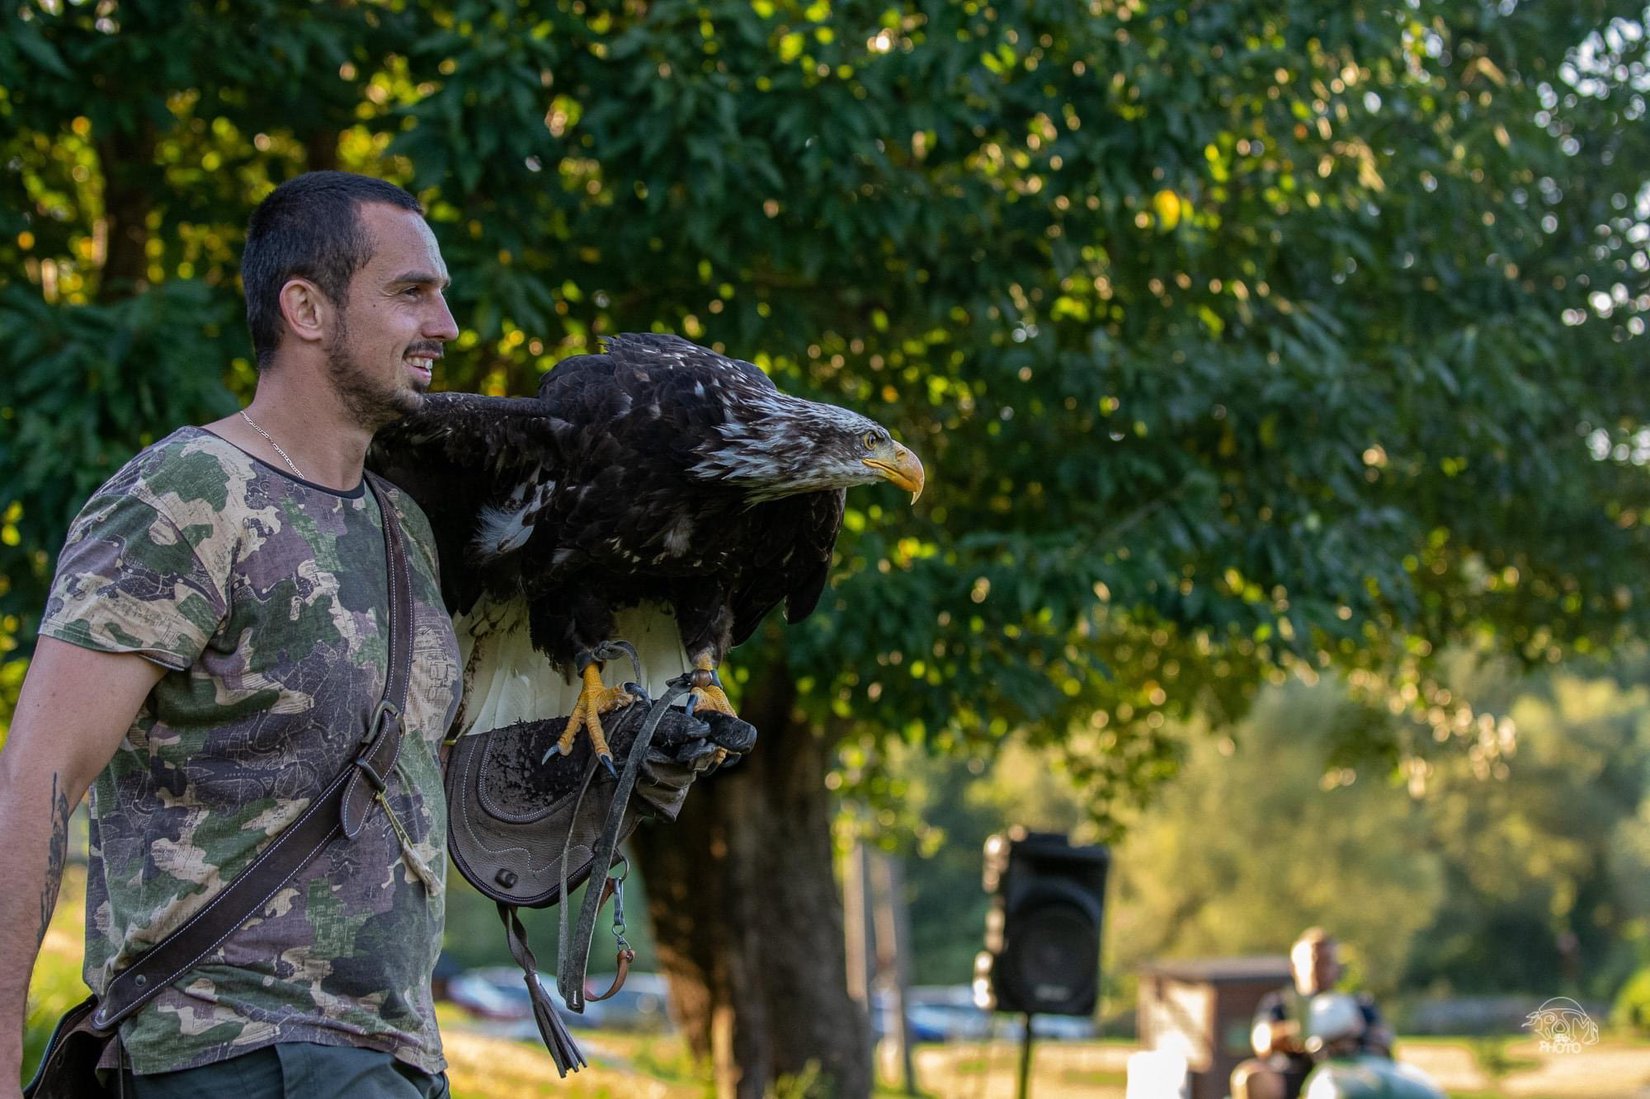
(892,924)
(855,925)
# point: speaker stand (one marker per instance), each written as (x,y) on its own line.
(1025,1060)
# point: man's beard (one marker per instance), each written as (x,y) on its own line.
(369,402)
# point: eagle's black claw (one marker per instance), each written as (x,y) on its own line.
(636,689)
(607,762)
(615,648)
(693,752)
(690,705)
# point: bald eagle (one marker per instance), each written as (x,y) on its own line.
(658,493)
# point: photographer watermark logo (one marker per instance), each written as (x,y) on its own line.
(1562,1026)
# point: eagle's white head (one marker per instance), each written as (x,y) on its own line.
(774,445)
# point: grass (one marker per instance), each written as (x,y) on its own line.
(659,1066)
(56,985)
(1495,1060)
(989,1070)
(622,1067)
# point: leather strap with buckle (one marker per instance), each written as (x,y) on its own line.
(342,805)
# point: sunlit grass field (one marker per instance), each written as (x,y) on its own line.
(480,1067)
(623,1066)
(659,1066)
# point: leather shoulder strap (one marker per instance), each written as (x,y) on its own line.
(381,743)
(342,806)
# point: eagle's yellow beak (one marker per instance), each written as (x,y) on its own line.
(899,466)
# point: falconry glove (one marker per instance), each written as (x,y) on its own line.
(526,825)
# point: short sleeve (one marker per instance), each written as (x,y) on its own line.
(129,580)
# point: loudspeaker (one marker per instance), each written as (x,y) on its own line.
(1042,933)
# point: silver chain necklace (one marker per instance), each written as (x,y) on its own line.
(285,457)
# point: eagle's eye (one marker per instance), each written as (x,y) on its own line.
(870,440)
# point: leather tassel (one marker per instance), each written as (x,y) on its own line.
(563,1050)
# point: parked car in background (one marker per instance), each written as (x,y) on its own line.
(948,1013)
(642,1004)
(498,993)
(486,1000)
(1063,1028)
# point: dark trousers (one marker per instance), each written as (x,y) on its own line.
(294,1070)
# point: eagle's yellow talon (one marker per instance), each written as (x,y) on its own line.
(707,693)
(595,699)
(712,698)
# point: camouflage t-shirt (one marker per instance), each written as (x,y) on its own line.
(266,599)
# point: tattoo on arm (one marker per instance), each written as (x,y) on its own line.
(56,853)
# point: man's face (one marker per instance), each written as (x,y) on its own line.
(390,330)
(1317,966)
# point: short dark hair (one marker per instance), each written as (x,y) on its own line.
(309,227)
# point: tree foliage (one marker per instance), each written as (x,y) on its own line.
(1268,837)
(1237,336)
(1546,863)
(1515,871)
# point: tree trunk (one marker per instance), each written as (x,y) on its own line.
(129,179)
(748,920)
(321,151)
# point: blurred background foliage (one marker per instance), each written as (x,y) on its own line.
(1245,342)
(1442,883)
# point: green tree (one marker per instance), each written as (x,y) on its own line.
(948,807)
(1545,864)
(1266,836)
(1237,337)
(1517,865)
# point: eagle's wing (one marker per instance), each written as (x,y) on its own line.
(791,564)
(458,456)
(644,351)
(791,559)
(810,559)
(461,453)
(473,432)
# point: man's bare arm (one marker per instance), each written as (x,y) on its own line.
(74,708)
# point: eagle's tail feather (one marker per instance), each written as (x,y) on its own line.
(506,680)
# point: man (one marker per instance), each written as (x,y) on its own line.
(1282,1062)
(213,647)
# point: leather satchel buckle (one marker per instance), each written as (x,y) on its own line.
(387,711)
